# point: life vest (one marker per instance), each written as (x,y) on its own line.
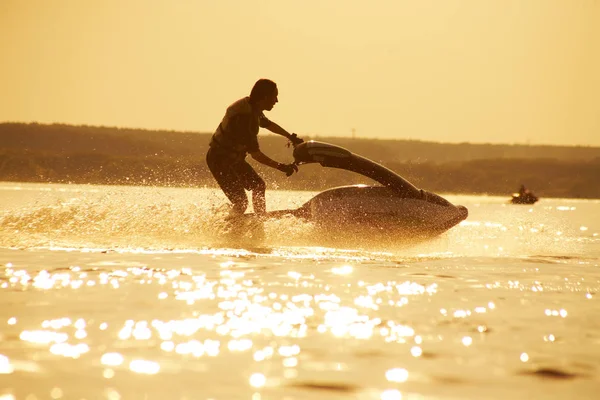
(234,140)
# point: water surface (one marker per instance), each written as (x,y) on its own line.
(131,292)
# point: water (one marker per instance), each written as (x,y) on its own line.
(145,293)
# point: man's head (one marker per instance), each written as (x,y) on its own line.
(264,94)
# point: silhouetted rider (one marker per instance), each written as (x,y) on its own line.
(236,136)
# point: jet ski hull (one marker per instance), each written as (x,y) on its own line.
(524,199)
(379,208)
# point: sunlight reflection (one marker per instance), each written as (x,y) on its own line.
(347,321)
(5,366)
(290,362)
(555,313)
(108,373)
(56,393)
(239,309)
(288,351)
(212,347)
(112,359)
(343,270)
(144,367)
(43,337)
(566,208)
(80,334)
(112,394)
(549,338)
(167,346)
(263,354)
(397,375)
(416,351)
(239,345)
(391,394)
(141,331)
(413,288)
(69,350)
(294,275)
(257,380)
(461,313)
(193,347)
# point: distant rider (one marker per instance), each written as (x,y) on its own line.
(236,136)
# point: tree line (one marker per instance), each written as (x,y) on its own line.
(98,155)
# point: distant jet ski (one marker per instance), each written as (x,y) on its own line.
(524,196)
(394,205)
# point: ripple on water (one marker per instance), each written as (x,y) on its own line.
(449,380)
(326,386)
(552,373)
(443,276)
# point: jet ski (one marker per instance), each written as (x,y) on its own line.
(526,197)
(394,204)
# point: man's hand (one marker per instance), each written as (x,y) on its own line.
(288,169)
(295,139)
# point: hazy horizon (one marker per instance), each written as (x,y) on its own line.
(485,71)
(310,137)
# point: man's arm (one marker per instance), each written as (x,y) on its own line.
(262,158)
(273,127)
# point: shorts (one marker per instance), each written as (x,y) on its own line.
(233,176)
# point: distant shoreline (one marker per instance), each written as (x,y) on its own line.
(109,156)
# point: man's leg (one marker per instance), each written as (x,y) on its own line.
(252,181)
(258,201)
(228,181)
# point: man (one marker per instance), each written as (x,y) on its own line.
(236,136)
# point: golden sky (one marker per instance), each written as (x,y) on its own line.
(496,71)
